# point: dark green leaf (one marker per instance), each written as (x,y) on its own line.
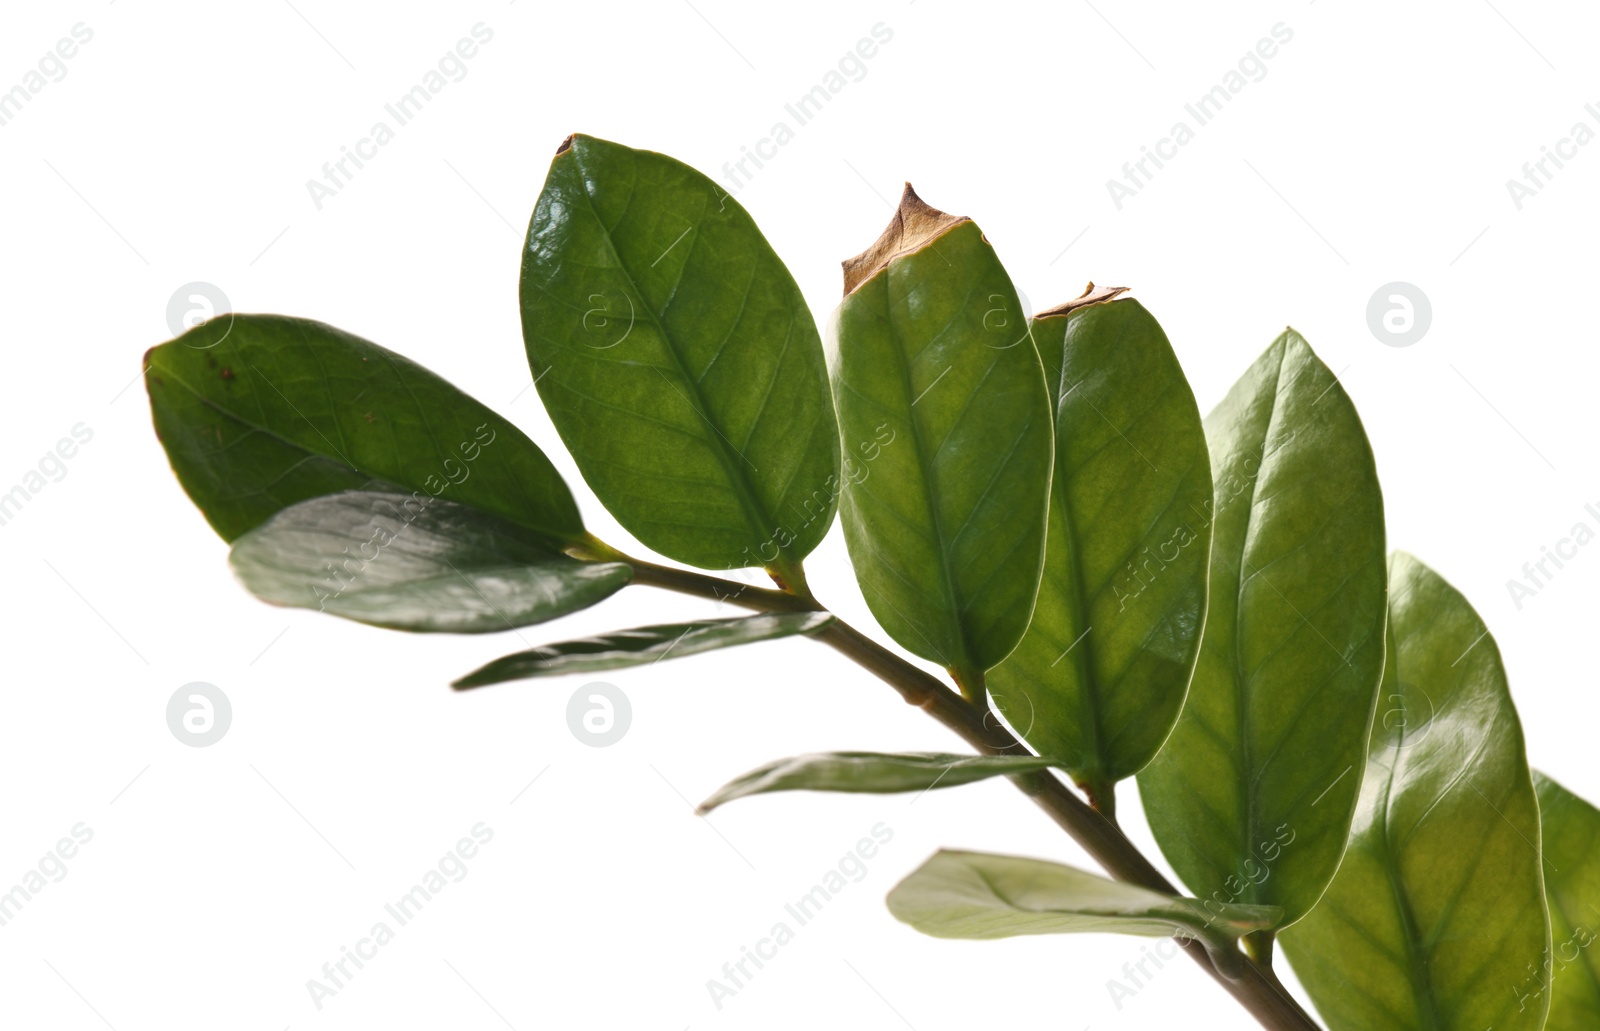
(644,645)
(408,563)
(258,412)
(1100,676)
(945,414)
(978,895)
(1251,798)
(678,360)
(1571,970)
(872,773)
(1436,919)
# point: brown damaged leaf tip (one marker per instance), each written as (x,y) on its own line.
(914,224)
(566,144)
(1091,295)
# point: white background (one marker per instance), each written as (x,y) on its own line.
(177,148)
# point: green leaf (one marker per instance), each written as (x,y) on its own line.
(678,360)
(643,645)
(1251,798)
(1571,970)
(409,563)
(258,412)
(978,895)
(878,773)
(1436,919)
(943,406)
(1100,676)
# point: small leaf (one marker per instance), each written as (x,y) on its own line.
(1437,918)
(1100,676)
(1572,884)
(979,895)
(643,645)
(1251,797)
(393,560)
(258,412)
(878,773)
(678,360)
(944,410)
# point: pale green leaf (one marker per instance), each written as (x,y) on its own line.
(872,773)
(978,895)
(643,646)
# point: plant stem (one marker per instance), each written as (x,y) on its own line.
(1257,990)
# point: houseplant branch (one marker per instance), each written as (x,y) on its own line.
(1257,990)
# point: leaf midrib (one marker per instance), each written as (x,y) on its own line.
(1094,715)
(1247,792)
(1421,984)
(903,361)
(1089,697)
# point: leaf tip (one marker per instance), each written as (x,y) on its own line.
(1293,336)
(1091,295)
(914,224)
(566,144)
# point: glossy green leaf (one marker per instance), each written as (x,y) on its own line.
(1570,972)
(872,773)
(643,646)
(946,421)
(409,563)
(678,360)
(1100,676)
(1436,919)
(1251,797)
(258,412)
(978,895)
